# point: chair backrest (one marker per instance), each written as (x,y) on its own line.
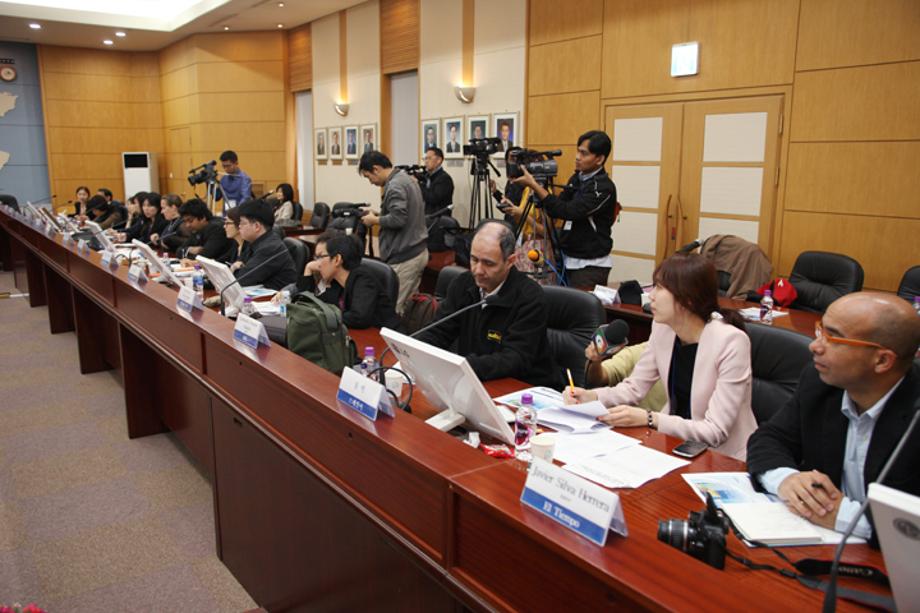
(572,317)
(778,357)
(820,277)
(446,276)
(386,276)
(725,282)
(320,218)
(910,284)
(10,201)
(278,229)
(297,214)
(300,253)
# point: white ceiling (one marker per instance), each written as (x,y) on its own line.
(150,24)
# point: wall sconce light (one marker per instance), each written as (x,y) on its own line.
(465,94)
(341,108)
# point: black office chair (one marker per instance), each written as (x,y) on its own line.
(820,278)
(320,218)
(10,201)
(910,284)
(279,230)
(297,214)
(300,253)
(446,276)
(572,317)
(386,276)
(778,357)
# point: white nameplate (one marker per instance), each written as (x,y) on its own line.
(136,273)
(188,300)
(250,331)
(50,231)
(67,239)
(108,258)
(82,246)
(576,503)
(363,394)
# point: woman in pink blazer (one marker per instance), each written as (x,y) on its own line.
(702,357)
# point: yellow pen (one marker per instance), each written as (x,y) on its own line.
(571,383)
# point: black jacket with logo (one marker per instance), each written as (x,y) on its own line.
(504,339)
(437,191)
(589,206)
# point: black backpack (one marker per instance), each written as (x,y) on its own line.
(346,216)
(438,231)
(460,241)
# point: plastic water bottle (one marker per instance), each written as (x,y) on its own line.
(285,301)
(369,363)
(248,307)
(917,304)
(198,281)
(525,424)
(766,308)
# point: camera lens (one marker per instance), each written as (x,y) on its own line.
(674,532)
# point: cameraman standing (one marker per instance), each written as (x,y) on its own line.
(235,185)
(437,187)
(587,204)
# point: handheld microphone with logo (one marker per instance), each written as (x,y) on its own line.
(244,275)
(536,256)
(830,593)
(611,338)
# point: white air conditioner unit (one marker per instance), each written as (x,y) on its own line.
(140,171)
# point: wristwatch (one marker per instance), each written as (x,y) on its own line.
(651,424)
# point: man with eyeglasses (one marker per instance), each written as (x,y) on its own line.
(820,452)
(264,258)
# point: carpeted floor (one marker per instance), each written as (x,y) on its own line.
(90,520)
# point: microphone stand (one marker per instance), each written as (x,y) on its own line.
(244,275)
(830,594)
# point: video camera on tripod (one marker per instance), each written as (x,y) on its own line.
(413,170)
(482,148)
(206,173)
(540,164)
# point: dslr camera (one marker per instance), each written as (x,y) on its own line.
(702,535)
(482,148)
(414,170)
(206,173)
(540,164)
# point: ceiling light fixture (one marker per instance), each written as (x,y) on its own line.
(35,26)
(281,5)
(120,34)
(280,25)
(226,28)
(108,41)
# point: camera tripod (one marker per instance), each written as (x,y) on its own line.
(549,231)
(481,194)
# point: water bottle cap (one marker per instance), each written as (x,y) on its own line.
(916,299)
(767,292)
(197,266)
(368,351)
(526,399)
(247,299)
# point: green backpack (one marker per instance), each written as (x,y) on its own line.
(315,331)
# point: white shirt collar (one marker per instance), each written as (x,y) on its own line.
(848,407)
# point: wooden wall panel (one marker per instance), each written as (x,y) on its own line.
(834,33)
(300,58)
(865,103)
(237,47)
(858,236)
(744,43)
(561,118)
(868,178)
(399,35)
(568,66)
(179,82)
(79,140)
(241,107)
(101,88)
(260,76)
(551,21)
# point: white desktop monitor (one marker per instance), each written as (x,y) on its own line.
(450,384)
(897,524)
(165,271)
(33,211)
(99,235)
(221,276)
(51,219)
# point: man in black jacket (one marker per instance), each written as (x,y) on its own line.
(262,249)
(206,232)
(588,206)
(820,452)
(438,187)
(507,337)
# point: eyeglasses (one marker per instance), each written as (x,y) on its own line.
(320,256)
(229,223)
(820,334)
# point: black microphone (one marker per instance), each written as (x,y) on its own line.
(611,338)
(246,274)
(485,301)
(689,247)
(440,212)
(830,594)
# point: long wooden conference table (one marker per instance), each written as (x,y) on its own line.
(318,508)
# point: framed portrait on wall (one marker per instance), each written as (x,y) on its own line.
(453,137)
(505,126)
(477,126)
(335,143)
(368,140)
(430,136)
(351,143)
(319,143)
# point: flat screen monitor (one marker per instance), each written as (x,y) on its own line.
(221,276)
(51,219)
(897,522)
(165,271)
(449,383)
(100,235)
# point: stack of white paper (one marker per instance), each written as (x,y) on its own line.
(628,467)
(574,417)
(574,448)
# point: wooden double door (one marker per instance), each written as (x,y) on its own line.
(688,170)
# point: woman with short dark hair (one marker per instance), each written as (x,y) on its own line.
(152,221)
(701,355)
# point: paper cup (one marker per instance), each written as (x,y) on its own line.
(542,446)
(394,382)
